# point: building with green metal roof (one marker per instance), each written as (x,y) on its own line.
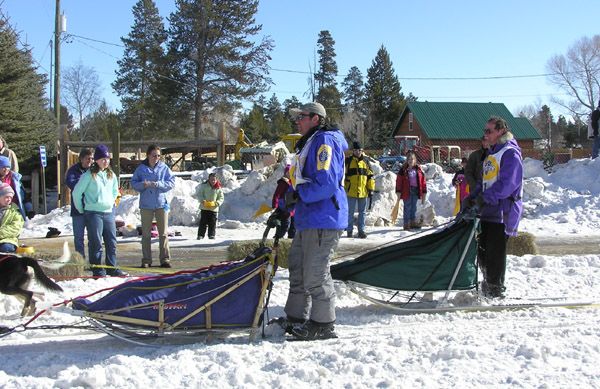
(461,124)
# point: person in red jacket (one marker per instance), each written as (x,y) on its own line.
(284,214)
(411,186)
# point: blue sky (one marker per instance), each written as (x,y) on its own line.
(425,39)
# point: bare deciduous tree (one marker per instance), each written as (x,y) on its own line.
(578,74)
(81,91)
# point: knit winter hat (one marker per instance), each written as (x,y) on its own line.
(101,152)
(356,145)
(4,161)
(6,190)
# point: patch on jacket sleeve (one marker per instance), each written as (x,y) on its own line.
(324,157)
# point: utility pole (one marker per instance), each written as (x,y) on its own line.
(57,31)
(59,28)
(50,94)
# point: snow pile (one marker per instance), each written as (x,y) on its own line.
(569,196)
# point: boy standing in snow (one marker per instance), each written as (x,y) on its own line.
(11,221)
(210,195)
(501,192)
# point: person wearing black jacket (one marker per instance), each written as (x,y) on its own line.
(474,167)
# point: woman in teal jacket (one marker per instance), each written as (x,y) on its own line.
(98,189)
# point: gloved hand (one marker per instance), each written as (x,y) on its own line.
(479,203)
(273,220)
(467,204)
(209,204)
(291,198)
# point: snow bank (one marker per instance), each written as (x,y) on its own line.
(569,196)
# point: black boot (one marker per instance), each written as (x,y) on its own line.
(312,330)
(287,323)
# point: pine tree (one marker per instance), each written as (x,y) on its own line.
(290,103)
(212,46)
(254,124)
(25,121)
(327,92)
(384,99)
(328,69)
(354,89)
(139,74)
(101,124)
(273,108)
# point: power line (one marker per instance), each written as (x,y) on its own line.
(501,77)
(93,40)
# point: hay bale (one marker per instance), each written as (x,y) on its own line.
(72,269)
(522,244)
(239,249)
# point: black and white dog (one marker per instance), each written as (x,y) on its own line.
(15,277)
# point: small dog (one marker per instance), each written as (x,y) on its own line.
(15,277)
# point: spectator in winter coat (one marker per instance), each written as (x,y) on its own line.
(317,175)
(153,179)
(359,185)
(410,187)
(500,193)
(284,214)
(475,165)
(72,178)
(11,221)
(8,153)
(460,183)
(210,195)
(595,123)
(94,196)
(13,179)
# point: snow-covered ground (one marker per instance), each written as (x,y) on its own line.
(549,347)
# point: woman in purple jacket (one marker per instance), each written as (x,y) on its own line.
(501,191)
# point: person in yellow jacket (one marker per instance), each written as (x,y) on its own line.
(359,184)
(210,195)
(11,221)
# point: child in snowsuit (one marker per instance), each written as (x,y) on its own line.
(11,221)
(210,195)
(282,212)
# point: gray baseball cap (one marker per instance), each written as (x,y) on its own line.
(313,107)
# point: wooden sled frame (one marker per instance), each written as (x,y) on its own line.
(128,327)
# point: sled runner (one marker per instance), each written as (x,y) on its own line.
(404,276)
(228,297)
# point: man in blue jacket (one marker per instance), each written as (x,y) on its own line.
(71,179)
(317,175)
(153,179)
